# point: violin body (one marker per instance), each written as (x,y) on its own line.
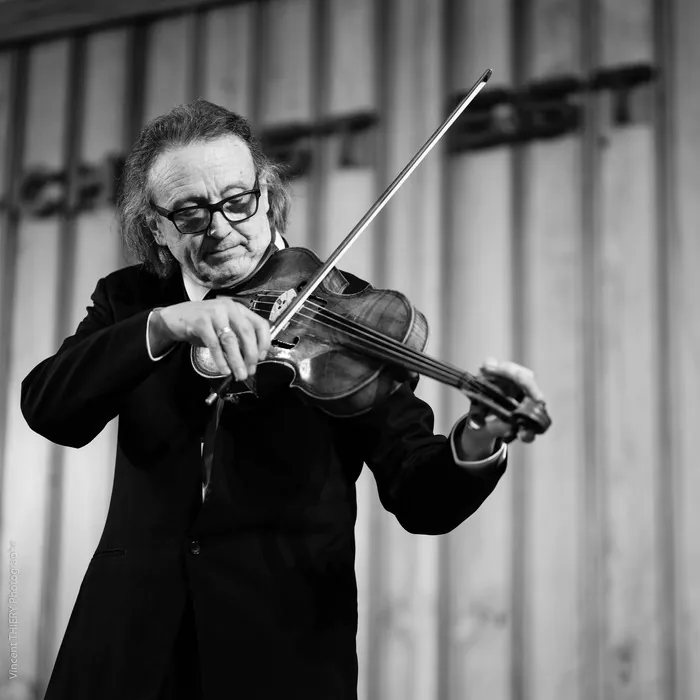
(322,359)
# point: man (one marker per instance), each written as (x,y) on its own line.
(226,565)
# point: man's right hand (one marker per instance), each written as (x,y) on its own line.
(236,336)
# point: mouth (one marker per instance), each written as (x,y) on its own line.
(218,253)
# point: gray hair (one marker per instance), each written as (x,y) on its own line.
(198,120)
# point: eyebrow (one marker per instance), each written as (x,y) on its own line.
(195,199)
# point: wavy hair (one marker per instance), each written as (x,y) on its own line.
(198,120)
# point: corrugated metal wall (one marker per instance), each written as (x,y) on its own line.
(576,255)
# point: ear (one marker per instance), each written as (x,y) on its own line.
(264,200)
(154,226)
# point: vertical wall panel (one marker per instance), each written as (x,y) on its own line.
(353,56)
(626,31)
(592,649)
(667,477)
(554,346)
(478,268)
(685,337)
(407,641)
(351,189)
(5,118)
(228,58)
(87,477)
(169,64)
(27,456)
(7,250)
(6,244)
(629,395)
(286,89)
(288,70)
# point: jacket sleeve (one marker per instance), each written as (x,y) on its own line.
(71,396)
(417,477)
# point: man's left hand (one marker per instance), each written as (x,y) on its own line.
(479,442)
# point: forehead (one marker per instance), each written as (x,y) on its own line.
(227,157)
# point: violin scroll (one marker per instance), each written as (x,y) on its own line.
(506,399)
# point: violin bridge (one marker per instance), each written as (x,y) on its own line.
(281,303)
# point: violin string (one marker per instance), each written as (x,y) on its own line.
(393,350)
(396,349)
(474,389)
(492,398)
(370,339)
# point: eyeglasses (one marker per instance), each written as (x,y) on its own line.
(198,218)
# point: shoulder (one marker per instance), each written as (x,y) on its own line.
(131,275)
(136,286)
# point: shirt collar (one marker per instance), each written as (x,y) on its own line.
(196,291)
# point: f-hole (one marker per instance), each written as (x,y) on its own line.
(286,345)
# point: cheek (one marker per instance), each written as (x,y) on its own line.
(190,247)
(259,233)
(167,235)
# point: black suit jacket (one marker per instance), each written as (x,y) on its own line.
(269,558)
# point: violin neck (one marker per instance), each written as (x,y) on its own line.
(392,351)
(473,387)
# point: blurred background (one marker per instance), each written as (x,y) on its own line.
(555,225)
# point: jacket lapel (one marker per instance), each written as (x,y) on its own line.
(171,290)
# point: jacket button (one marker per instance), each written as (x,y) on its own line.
(195,547)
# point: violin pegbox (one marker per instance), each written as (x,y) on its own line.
(508,401)
(528,413)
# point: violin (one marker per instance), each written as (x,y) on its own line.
(344,351)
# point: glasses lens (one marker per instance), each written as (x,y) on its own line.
(241,207)
(192,220)
(198,219)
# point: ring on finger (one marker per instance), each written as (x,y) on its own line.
(223,331)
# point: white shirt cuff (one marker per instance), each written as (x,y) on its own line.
(497,458)
(148,341)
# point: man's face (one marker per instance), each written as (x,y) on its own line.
(209,171)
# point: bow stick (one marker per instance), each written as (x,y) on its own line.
(317,278)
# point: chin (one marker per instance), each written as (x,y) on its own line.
(228,273)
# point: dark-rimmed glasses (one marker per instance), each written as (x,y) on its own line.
(197,218)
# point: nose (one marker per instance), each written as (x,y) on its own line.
(220,228)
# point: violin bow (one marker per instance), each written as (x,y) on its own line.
(320,275)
